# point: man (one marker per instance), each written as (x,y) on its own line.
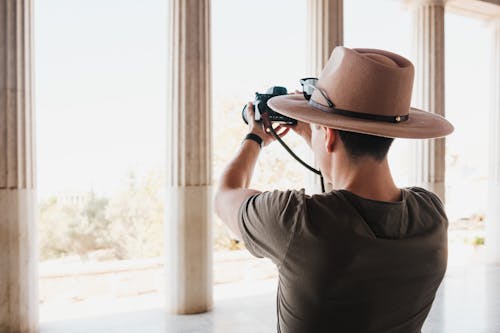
(367,256)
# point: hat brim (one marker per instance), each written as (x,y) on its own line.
(420,125)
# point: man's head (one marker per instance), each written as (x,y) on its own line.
(359,145)
(336,148)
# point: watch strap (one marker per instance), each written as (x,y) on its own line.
(254,137)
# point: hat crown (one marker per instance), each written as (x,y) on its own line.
(367,81)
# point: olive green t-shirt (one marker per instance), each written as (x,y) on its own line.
(349,264)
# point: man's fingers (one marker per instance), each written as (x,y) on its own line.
(283,133)
(251,114)
(250,110)
(281,130)
(277,128)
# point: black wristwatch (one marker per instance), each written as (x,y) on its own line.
(254,137)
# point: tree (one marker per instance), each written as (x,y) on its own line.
(136,215)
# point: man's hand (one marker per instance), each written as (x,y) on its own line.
(235,180)
(258,127)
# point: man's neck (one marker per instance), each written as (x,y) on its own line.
(366,178)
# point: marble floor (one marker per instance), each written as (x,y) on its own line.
(468,301)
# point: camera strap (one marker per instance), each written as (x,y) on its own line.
(268,126)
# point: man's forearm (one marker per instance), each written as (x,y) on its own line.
(239,171)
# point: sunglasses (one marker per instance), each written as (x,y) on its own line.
(308,87)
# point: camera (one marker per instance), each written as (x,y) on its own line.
(260,105)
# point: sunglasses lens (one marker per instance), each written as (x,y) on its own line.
(308,86)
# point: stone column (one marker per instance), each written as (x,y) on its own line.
(493,214)
(429,155)
(18,234)
(189,208)
(325,21)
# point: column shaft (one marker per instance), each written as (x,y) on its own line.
(325,21)
(18,246)
(493,214)
(326,31)
(188,207)
(429,155)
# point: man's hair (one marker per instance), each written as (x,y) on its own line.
(360,145)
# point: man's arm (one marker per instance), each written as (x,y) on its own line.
(235,180)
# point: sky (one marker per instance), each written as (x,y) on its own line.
(100,91)
(100,69)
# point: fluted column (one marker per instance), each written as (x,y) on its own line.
(428,167)
(18,246)
(188,207)
(325,21)
(493,214)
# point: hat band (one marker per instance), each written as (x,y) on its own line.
(359,115)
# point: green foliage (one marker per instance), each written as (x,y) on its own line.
(55,228)
(478,241)
(137,219)
(73,229)
(128,225)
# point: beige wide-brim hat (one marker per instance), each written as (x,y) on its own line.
(371,92)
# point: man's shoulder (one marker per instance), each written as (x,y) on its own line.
(420,190)
(422,193)
(279,198)
(274,205)
(423,200)
(268,221)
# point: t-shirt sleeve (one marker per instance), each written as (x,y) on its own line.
(268,220)
(433,199)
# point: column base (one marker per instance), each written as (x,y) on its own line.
(188,260)
(18,261)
